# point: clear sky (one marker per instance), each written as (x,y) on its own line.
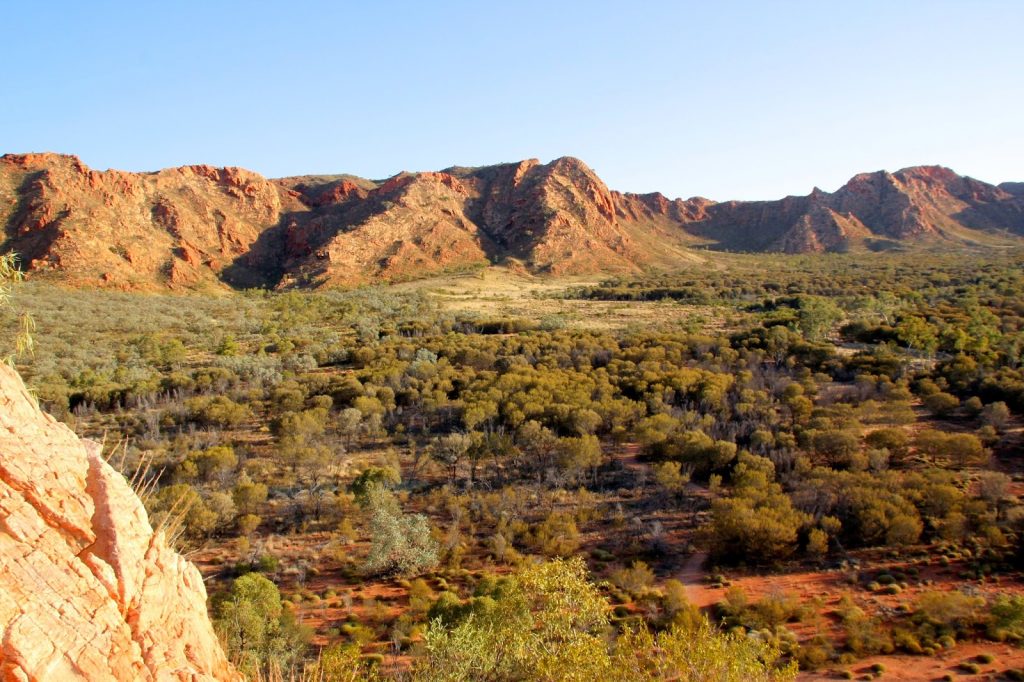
(723,99)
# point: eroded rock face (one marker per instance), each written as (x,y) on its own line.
(176,228)
(922,204)
(87,589)
(198,227)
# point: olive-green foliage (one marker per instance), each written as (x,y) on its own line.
(758,521)
(343,663)
(670,475)
(940,615)
(872,508)
(550,623)
(864,635)
(9,276)
(1007,619)
(371,478)
(805,450)
(557,535)
(816,316)
(696,654)
(212,464)
(959,448)
(182,506)
(635,579)
(260,634)
(768,613)
(217,411)
(400,544)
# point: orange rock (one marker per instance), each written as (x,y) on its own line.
(88,591)
(201,225)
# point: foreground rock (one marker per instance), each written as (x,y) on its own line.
(87,589)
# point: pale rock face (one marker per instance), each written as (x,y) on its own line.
(87,589)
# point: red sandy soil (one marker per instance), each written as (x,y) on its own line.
(930,667)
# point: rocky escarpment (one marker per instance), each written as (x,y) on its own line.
(176,228)
(199,226)
(87,589)
(922,204)
(555,218)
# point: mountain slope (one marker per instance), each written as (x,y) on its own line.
(199,226)
(555,218)
(922,204)
(178,227)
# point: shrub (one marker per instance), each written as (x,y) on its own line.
(259,632)
(557,535)
(400,544)
(344,663)
(941,404)
(634,579)
(1006,616)
(217,411)
(815,653)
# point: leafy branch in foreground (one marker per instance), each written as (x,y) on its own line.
(9,276)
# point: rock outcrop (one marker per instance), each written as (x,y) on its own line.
(199,226)
(87,589)
(176,228)
(556,218)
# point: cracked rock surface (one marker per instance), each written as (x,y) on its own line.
(87,589)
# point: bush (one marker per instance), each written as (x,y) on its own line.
(1006,616)
(344,663)
(865,636)
(259,632)
(941,404)
(758,523)
(217,411)
(634,579)
(400,544)
(557,535)
(815,653)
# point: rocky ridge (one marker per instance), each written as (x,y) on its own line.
(87,589)
(199,226)
(918,205)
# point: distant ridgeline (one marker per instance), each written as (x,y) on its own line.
(199,227)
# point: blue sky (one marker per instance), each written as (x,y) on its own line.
(740,100)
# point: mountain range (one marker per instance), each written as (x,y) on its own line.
(199,226)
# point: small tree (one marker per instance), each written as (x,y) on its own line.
(671,477)
(400,544)
(343,663)
(995,415)
(259,633)
(450,450)
(816,316)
